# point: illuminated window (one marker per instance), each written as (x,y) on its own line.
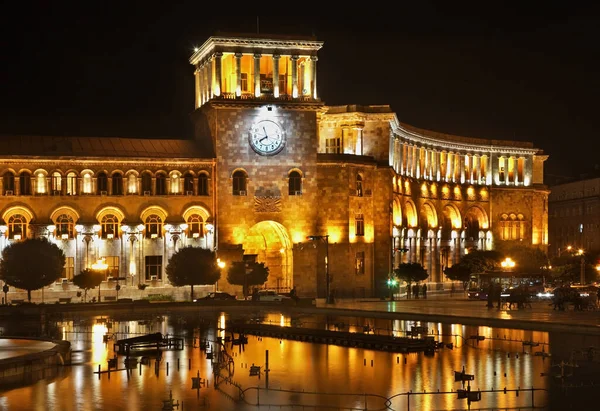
(512,227)
(131,184)
(188,183)
(56,182)
(87,183)
(40,183)
(359,187)
(294,183)
(333,145)
(239,183)
(8,180)
(117,184)
(64,226)
(203,184)
(153,267)
(244,81)
(17,227)
(101,183)
(25,183)
(112,269)
(109,226)
(195,226)
(71,183)
(69,268)
(146,184)
(359,263)
(359,223)
(161,184)
(154,225)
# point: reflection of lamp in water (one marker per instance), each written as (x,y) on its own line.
(100,265)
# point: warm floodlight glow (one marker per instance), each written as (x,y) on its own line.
(100,265)
(507,263)
(79,228)
(220,263)
(96,228)
(17,236)
(140,227)
(183,226)
(580,251)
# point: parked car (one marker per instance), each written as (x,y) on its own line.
(270,295)
(217,295)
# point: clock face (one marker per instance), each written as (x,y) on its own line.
(266,137)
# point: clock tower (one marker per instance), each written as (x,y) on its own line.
(257,107)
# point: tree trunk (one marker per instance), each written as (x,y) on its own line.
(85,295)
(192,292)
(29,295)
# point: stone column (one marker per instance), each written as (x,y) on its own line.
(209,78)
(313,91)
(400,156)
(418,171)
(475,173)
(153,188)
(109,186)
(450,166)
(257,74)
(238,74)
(63,185)
(527,171)
(197,73)
(218,66)
(461,164)
(276,58)
(294,60)
(489,175)
(515,161)
(409,156)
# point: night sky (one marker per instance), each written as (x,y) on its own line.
(499,73)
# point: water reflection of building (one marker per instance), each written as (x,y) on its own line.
(271,165)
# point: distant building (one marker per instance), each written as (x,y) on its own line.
(574,216)
(271,165)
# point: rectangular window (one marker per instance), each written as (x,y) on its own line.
(153,267)
(244,81)
(359,263)
(360,225)
(333,145)
(69,268)
(113,266)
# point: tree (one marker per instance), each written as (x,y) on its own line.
(247,274)
(530,260)
(193,266)
(32,264)
(411,272)
(459,272)
(480,261)
(88,279)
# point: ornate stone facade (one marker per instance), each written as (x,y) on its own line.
(365,184)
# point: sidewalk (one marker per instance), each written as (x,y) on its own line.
(458,309)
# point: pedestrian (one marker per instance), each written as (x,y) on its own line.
(424,290)
(416,290)
(293,294)
(498,294)
(490,296)
(408,287)
(452,290)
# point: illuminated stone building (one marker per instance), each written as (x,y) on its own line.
(575,216)
(271,165)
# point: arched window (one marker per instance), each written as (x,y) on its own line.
(109,226)
(514,227)
(195,226)
(359,222)
(25,183)
(154,225)
(102,183)
(295,183)
(40,183)
(504,227)
(239,183)
(8,180)
(56,183)
(146,184)
(188,184)
(359,187)
(131,184)
(71,183)
(17,227)
(87,183)
(203,184)
(161,184)
(64,226)
(117,184)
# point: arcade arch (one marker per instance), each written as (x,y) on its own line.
(270,242)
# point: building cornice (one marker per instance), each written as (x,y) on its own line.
(73,161)
(253,44)
(482,146)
